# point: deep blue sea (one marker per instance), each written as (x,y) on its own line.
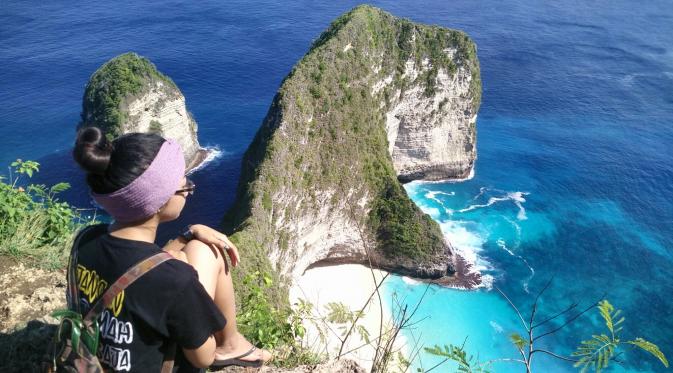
(574,179)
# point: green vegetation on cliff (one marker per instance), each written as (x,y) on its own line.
(323,142)
(34,225)
(401,230)
(123,76)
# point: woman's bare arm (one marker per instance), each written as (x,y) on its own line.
(202,356)
(216,241)
(174,247)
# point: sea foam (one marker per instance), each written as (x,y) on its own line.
(516,197)
(468,244)
(432,195)
(503,245)
(214,153)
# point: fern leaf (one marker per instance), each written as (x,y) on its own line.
(517,340)
(466,364)
(338,313)
(651,348)
(58,188)
(605,308)
(438,351)
(363,332)
(595,353)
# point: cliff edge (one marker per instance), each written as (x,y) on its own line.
(376,100)
(128,94)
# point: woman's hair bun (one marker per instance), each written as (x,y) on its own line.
(92,150)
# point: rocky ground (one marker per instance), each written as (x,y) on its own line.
(27,297)
(339,366)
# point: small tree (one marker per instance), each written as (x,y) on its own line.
(593,354)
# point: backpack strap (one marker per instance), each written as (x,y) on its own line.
(134,273)
(84,235)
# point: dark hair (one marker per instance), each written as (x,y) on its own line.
(112,166)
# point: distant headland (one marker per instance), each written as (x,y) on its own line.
(128,94)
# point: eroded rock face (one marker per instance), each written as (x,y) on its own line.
(28,293)
(377,99)
(162,109)
(433,137)
(128,94)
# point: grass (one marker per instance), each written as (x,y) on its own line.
(35,227)
(24,244)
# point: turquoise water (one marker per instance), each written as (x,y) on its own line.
(523,228)
(574,178)
(481,321)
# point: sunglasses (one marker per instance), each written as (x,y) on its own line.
(189,188)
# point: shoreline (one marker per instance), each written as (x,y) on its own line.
(202,158)
(465,278)
(469,176)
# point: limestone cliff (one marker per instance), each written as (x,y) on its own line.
(128,94)
(433,136)
(376,98)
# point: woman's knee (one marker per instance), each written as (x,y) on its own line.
(203,257)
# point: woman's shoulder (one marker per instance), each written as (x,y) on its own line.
(113,256)
(176,272)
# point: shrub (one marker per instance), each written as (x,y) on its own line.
(34,224)
(155,127)
(402,229)
(278,329)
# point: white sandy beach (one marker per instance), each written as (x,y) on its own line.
(351,285)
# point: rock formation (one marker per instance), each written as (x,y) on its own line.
(128,94)
(377,99)
(433,136)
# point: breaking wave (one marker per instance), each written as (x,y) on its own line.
(214,153)
(468,244)
(432,195)
(516,197)
(469,236)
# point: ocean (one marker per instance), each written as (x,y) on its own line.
(574,177)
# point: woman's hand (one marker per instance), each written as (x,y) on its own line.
(217,240)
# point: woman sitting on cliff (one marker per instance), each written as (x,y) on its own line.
(139,179)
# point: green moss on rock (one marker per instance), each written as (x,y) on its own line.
(155,127)
(122,77)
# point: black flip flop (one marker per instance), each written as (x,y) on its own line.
(238,362)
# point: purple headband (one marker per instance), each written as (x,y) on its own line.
(149,191)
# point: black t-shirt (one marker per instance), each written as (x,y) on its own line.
(167,306)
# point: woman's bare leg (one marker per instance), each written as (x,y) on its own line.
(218,283)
